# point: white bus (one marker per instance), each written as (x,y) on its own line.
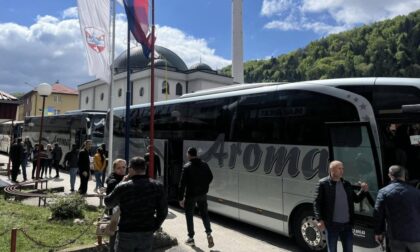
(9,131)
(269,144)
(73,127)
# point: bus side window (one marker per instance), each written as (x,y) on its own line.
(78,138)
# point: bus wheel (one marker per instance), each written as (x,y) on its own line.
(307,233)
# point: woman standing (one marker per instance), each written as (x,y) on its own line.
(99,163)
(117,175)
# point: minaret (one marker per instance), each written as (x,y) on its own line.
(237,43)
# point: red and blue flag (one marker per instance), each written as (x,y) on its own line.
(138,21)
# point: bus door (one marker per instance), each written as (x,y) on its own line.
(79,137)
(173,169)
(353,144)
(400,136)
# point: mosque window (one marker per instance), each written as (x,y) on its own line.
(102,96)
(165,85)
(178,90)
(141,92)
(87,99)
(120,92)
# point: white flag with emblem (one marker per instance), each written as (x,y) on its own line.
(94,17)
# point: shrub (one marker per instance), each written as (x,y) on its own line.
(67,207)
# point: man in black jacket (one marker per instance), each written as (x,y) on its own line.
(143,206)
(84,166)
(399,204)
(71,160)
(57,154)
(16,154)
(157,169)
(193,188)
(334,207)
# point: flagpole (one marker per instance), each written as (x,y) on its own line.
(152,98)
(111,102)
(127,101)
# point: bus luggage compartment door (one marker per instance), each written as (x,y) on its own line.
(353,144)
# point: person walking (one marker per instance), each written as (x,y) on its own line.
(99,166)
(398,204)
(143,207)
(70,162)
(84,166)
(57,154)
(118,171)
(334,207)
(157,169)
(193,188)
(16,156)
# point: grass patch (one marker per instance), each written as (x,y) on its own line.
(35,221)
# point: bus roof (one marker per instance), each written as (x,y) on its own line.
(240,89)
(230,88)
(84,111)
(14,122)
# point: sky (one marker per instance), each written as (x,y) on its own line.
(40,40)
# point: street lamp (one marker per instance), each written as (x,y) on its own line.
(44,90)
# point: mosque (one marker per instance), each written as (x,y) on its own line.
(172,76)
(172,79)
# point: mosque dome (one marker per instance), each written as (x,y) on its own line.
(162,63)
(201,66)
(139,61)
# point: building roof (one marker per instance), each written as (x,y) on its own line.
(8,107)
(139,61)
(61,89)
(201,66)
(7,97)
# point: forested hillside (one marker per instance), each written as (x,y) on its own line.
(386,48)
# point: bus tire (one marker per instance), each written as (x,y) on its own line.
(306,232)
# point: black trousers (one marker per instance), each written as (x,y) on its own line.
(15,170)
(83,182)
(56,165)
(201,202)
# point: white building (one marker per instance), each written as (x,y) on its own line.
(170,72)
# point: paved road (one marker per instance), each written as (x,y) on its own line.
(229,235)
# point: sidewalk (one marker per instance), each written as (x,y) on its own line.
(175,225)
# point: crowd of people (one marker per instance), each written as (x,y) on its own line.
(139,199)
(23,152)
(142,204)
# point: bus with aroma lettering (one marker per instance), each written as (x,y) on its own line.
(268,144)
